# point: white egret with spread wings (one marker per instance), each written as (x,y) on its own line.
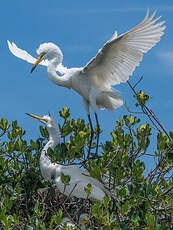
(113,64)
(79,179)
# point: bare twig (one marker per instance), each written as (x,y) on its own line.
(70,193)
(153,172)
(149,112)
(1,134)
(111,160)
(141,78)
(167,191)
(68,214)
(125,105)
(147,154)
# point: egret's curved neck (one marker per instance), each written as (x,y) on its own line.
(64,80)
(54,137)
(46,166)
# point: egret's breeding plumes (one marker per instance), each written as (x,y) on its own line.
(79,179)
(113,64)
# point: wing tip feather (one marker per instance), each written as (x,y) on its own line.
(153,15)
(147,14)
(10,46)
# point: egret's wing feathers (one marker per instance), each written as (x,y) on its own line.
(119,57)
(78,175)
(22,54)
(71,169)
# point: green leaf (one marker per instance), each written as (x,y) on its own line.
(162,141)
(65,179)
(34,145)
(122,192)
(58,217)
(170,155)
(136,221)
(95,170)
(171,134)
(150,220)
(4,124)
(106,202)
(19,145)
(16,219)
(44,132)
(67,129)
(142,98)
(125,208)
(96,208)
(36,208)
(88,189)
(64,112)
(131,119)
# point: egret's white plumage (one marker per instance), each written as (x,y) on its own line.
(113,64)
(79,179)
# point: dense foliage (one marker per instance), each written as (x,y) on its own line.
(138,201)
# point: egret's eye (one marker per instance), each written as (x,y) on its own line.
(42,55)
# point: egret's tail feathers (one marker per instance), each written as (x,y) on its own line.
(109,100)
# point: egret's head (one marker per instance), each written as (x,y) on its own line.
(47,120)
(48,51)
(51,126)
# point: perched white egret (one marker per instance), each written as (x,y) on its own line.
(113,64)
(79,179)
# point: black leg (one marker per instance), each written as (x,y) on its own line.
(98,132)
(92,133)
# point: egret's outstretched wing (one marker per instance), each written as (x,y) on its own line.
(118,58)
(22,54)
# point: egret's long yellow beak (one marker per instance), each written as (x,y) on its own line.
(34,116)
(39,59)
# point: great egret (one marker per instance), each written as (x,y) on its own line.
(79,179)
(113,64)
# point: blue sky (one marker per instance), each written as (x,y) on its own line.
(80,28)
